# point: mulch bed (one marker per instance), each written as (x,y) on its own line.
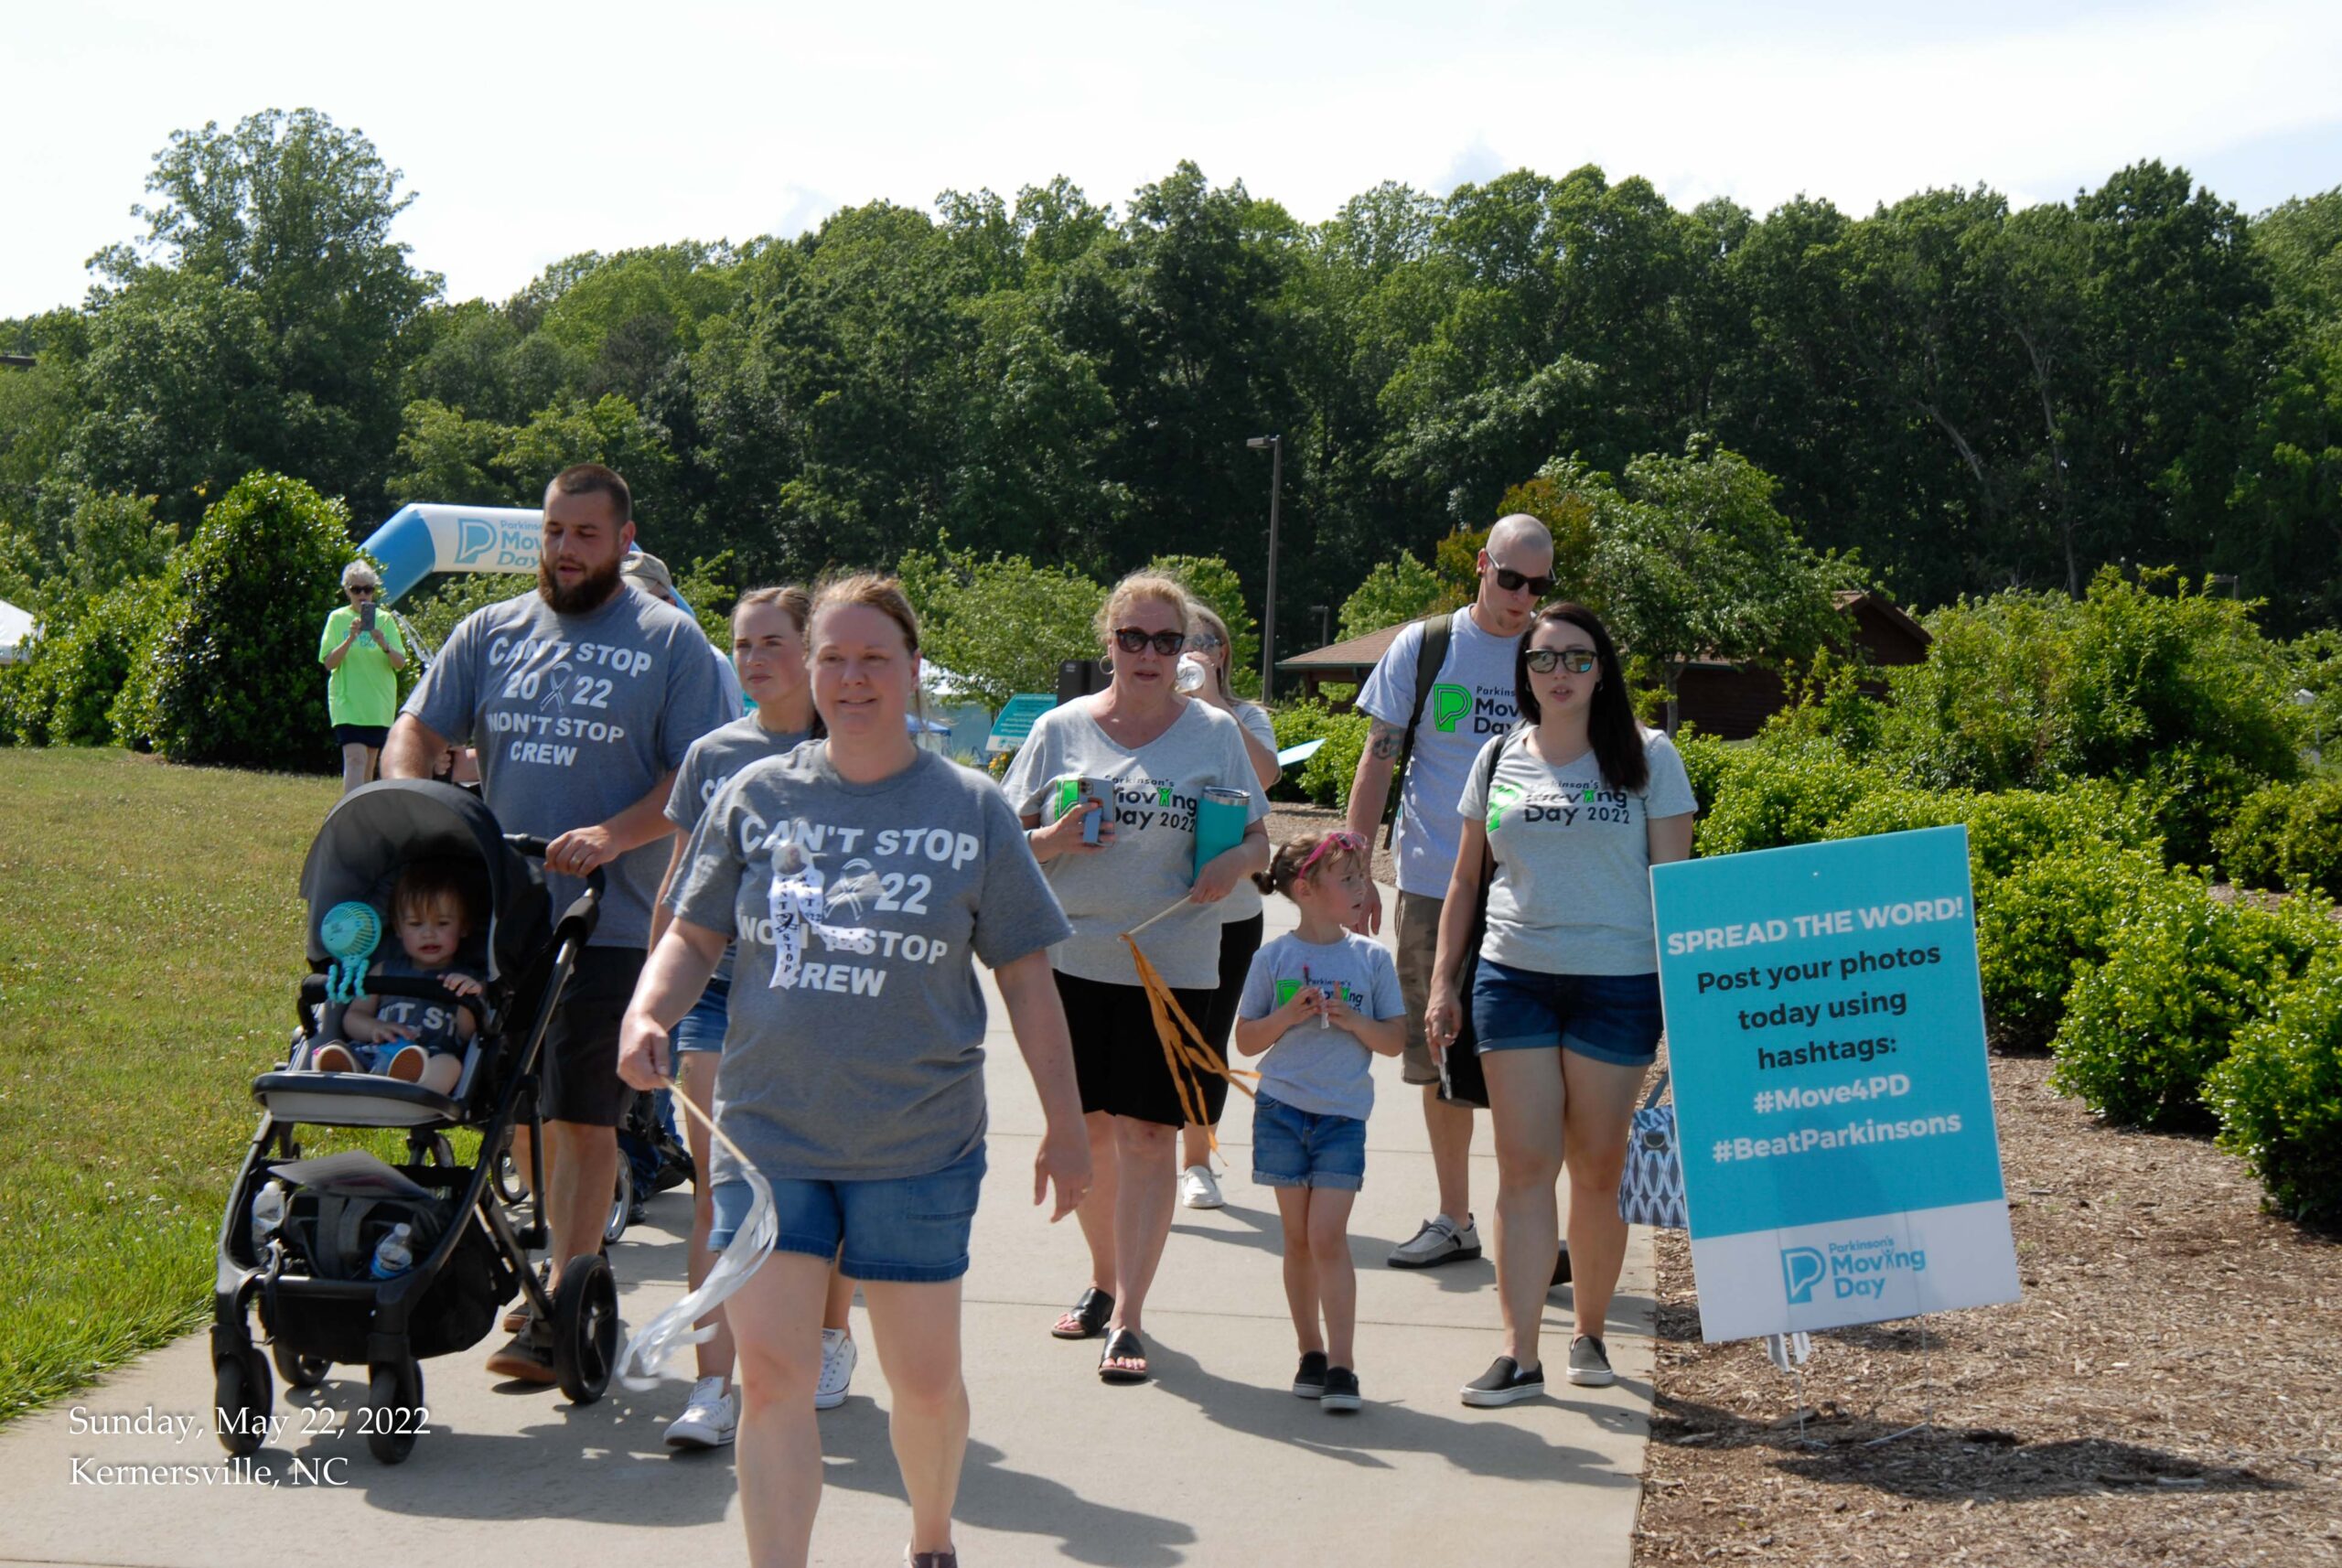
(2168,1391)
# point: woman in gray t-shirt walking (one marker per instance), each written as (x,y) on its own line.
(1151,753)
(860,879)
(1576,805)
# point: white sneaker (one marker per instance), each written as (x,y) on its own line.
(710,1420)
(838,1357)
(1197,1190)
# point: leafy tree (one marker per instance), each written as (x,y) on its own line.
(1399,589)
(1693,561)
(231,673)
(1001,623)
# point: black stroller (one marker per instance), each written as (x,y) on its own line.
(306,1254)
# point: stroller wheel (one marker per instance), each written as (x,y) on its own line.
(298,1371)
(394,1418)
(506,1175)
(241,1399)
(585,1328)
(621,1205)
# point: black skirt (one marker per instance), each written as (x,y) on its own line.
(1118,1056)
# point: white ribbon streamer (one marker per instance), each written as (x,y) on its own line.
(645,1359)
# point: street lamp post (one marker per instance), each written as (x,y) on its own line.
(1275,444)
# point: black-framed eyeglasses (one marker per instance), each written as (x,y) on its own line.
(1202,642)
(1512,582)
(1130,639)
(1576,660)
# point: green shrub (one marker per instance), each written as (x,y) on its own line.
(99,658)
(2286,836)
(2181,976)
(1326,778)
(2279,1094)
(1769,798)
(233,661)
(2008,829)
(1708,762)
(2049,918)
(27,696)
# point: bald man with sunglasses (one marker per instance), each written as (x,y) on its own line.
(1471,698)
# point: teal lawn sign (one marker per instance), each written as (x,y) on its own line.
(1017,721)
(1827,1036)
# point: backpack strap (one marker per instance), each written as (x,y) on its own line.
(1487,780)
(1429,655)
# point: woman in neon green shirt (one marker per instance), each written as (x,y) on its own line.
(362,656)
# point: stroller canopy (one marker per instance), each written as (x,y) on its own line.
(375,830)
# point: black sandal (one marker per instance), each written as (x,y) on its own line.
(1089,1317)
(1125,1346)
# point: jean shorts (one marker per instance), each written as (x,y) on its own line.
(909,1229)
(701,1028)
(1610,1018)
(1304,1148)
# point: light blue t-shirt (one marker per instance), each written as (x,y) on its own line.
(1318,1065)
(1471,698)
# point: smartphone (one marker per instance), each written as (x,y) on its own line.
(366,615)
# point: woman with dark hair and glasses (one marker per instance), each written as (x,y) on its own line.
(1109,787)
(1580,803)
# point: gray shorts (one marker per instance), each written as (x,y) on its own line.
(1418,940)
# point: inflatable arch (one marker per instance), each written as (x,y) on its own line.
(423,537)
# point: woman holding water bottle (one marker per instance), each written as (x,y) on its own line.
(1109,787)
(1203,675)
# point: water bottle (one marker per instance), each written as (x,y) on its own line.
(268,1213)
(1192,674)
(392,1256)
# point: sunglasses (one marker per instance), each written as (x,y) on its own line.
(1576,660)
(1338,843)
(361,589)
(1511,582)
(1202,642)
(1130,639)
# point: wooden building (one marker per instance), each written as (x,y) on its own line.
(1723,699)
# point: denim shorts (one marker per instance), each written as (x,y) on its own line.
(701,1028)
(1304,1148)
(912,1229)
(1609,1017)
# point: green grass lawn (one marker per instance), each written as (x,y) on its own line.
(150,945)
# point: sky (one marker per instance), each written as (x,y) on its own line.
(530,133)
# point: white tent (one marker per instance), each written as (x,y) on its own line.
(15,630)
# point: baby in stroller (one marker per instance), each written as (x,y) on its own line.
(407,1038)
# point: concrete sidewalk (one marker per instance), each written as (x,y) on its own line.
(1214,1462)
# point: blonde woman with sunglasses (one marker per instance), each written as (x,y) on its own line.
(362,653)
(1108,787)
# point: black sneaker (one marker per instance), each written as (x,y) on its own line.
(1310,1378)
(1590,1363)
(1561,1267)
(527,1358)
(1503,1383)
(1341,1390)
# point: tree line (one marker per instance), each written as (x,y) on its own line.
(1970,397)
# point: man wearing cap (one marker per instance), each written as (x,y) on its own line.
(582,697)
(648,575)
(363,654)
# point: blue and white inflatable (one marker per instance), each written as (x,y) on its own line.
(423,537)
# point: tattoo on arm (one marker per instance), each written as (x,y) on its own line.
(1382,741)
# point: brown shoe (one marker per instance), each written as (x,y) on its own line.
(526,1358)
(407,1065)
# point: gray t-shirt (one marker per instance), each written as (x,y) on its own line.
(1245,902)
(1571,891)
(713,758)
(1152,862)
(1318,1065)
(1471,699)
(577,717)
(855,1051)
